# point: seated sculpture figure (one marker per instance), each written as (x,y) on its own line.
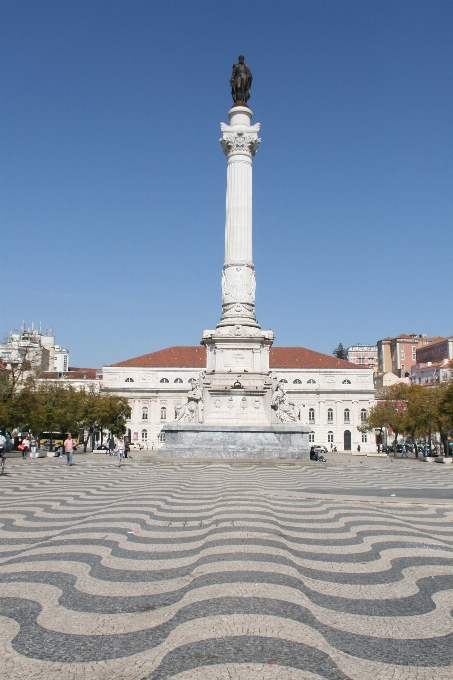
(285,410)
(194,406)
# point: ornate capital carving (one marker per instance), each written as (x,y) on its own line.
(239,142)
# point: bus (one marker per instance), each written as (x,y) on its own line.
(57,438)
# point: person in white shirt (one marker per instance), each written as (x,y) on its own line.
(120,450)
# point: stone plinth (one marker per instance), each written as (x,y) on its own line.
(223,441)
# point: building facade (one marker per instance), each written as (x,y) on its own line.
(399,354)
(364,355)
(88,379)
(35,348)
(333,396)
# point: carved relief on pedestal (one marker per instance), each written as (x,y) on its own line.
(238,284)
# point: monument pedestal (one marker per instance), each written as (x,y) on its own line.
(188,440)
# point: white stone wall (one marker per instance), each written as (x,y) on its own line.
(328,391)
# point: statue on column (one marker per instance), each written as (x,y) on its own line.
(241,82)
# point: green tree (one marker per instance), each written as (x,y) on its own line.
(390,412)
(340,352)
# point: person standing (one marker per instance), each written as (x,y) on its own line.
(120,450)
(127,448)
(26,445)
(111,445)
(33,445)
(69,448)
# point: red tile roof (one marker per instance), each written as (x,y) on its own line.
(195,357)
(74,374)
(300,357)
(172,357)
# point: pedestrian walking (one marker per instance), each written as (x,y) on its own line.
(120,450)
(26,445)
(69,445)
(404,451)
(111,445)
(127,448)
(33,444)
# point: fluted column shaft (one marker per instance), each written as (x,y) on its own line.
(240,142)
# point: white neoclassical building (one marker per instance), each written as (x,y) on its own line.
(333,395)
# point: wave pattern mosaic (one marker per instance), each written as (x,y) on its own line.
(221,571)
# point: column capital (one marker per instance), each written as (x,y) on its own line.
(239,139)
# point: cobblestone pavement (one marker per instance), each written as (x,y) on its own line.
(213,571)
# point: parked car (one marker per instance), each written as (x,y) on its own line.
(320,449)
(136,446)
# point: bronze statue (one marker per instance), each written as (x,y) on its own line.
(241,82)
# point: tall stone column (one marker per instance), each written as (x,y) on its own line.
(239,142)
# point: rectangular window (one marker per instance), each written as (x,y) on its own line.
(364,437)
(311,438)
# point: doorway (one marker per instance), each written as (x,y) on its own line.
(347,440)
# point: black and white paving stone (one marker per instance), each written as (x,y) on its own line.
(208,571)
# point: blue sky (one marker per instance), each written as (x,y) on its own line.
(113,179)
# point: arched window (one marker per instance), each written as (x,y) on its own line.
(283,380)
(144,436)
(177,380)
(163,413)
(164,380)
(364,438)
(311,381)
(161,437)
(346,382)
(129,380)
(191,380)
(311,415)
(363,415)
(347,415)
(297,382)
(330,415)
(330,437)
(145,413)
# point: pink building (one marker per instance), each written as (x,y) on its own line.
(398,355)
(365,355)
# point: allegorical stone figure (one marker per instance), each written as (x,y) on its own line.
(241,81)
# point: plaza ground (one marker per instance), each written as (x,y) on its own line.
(288,570)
